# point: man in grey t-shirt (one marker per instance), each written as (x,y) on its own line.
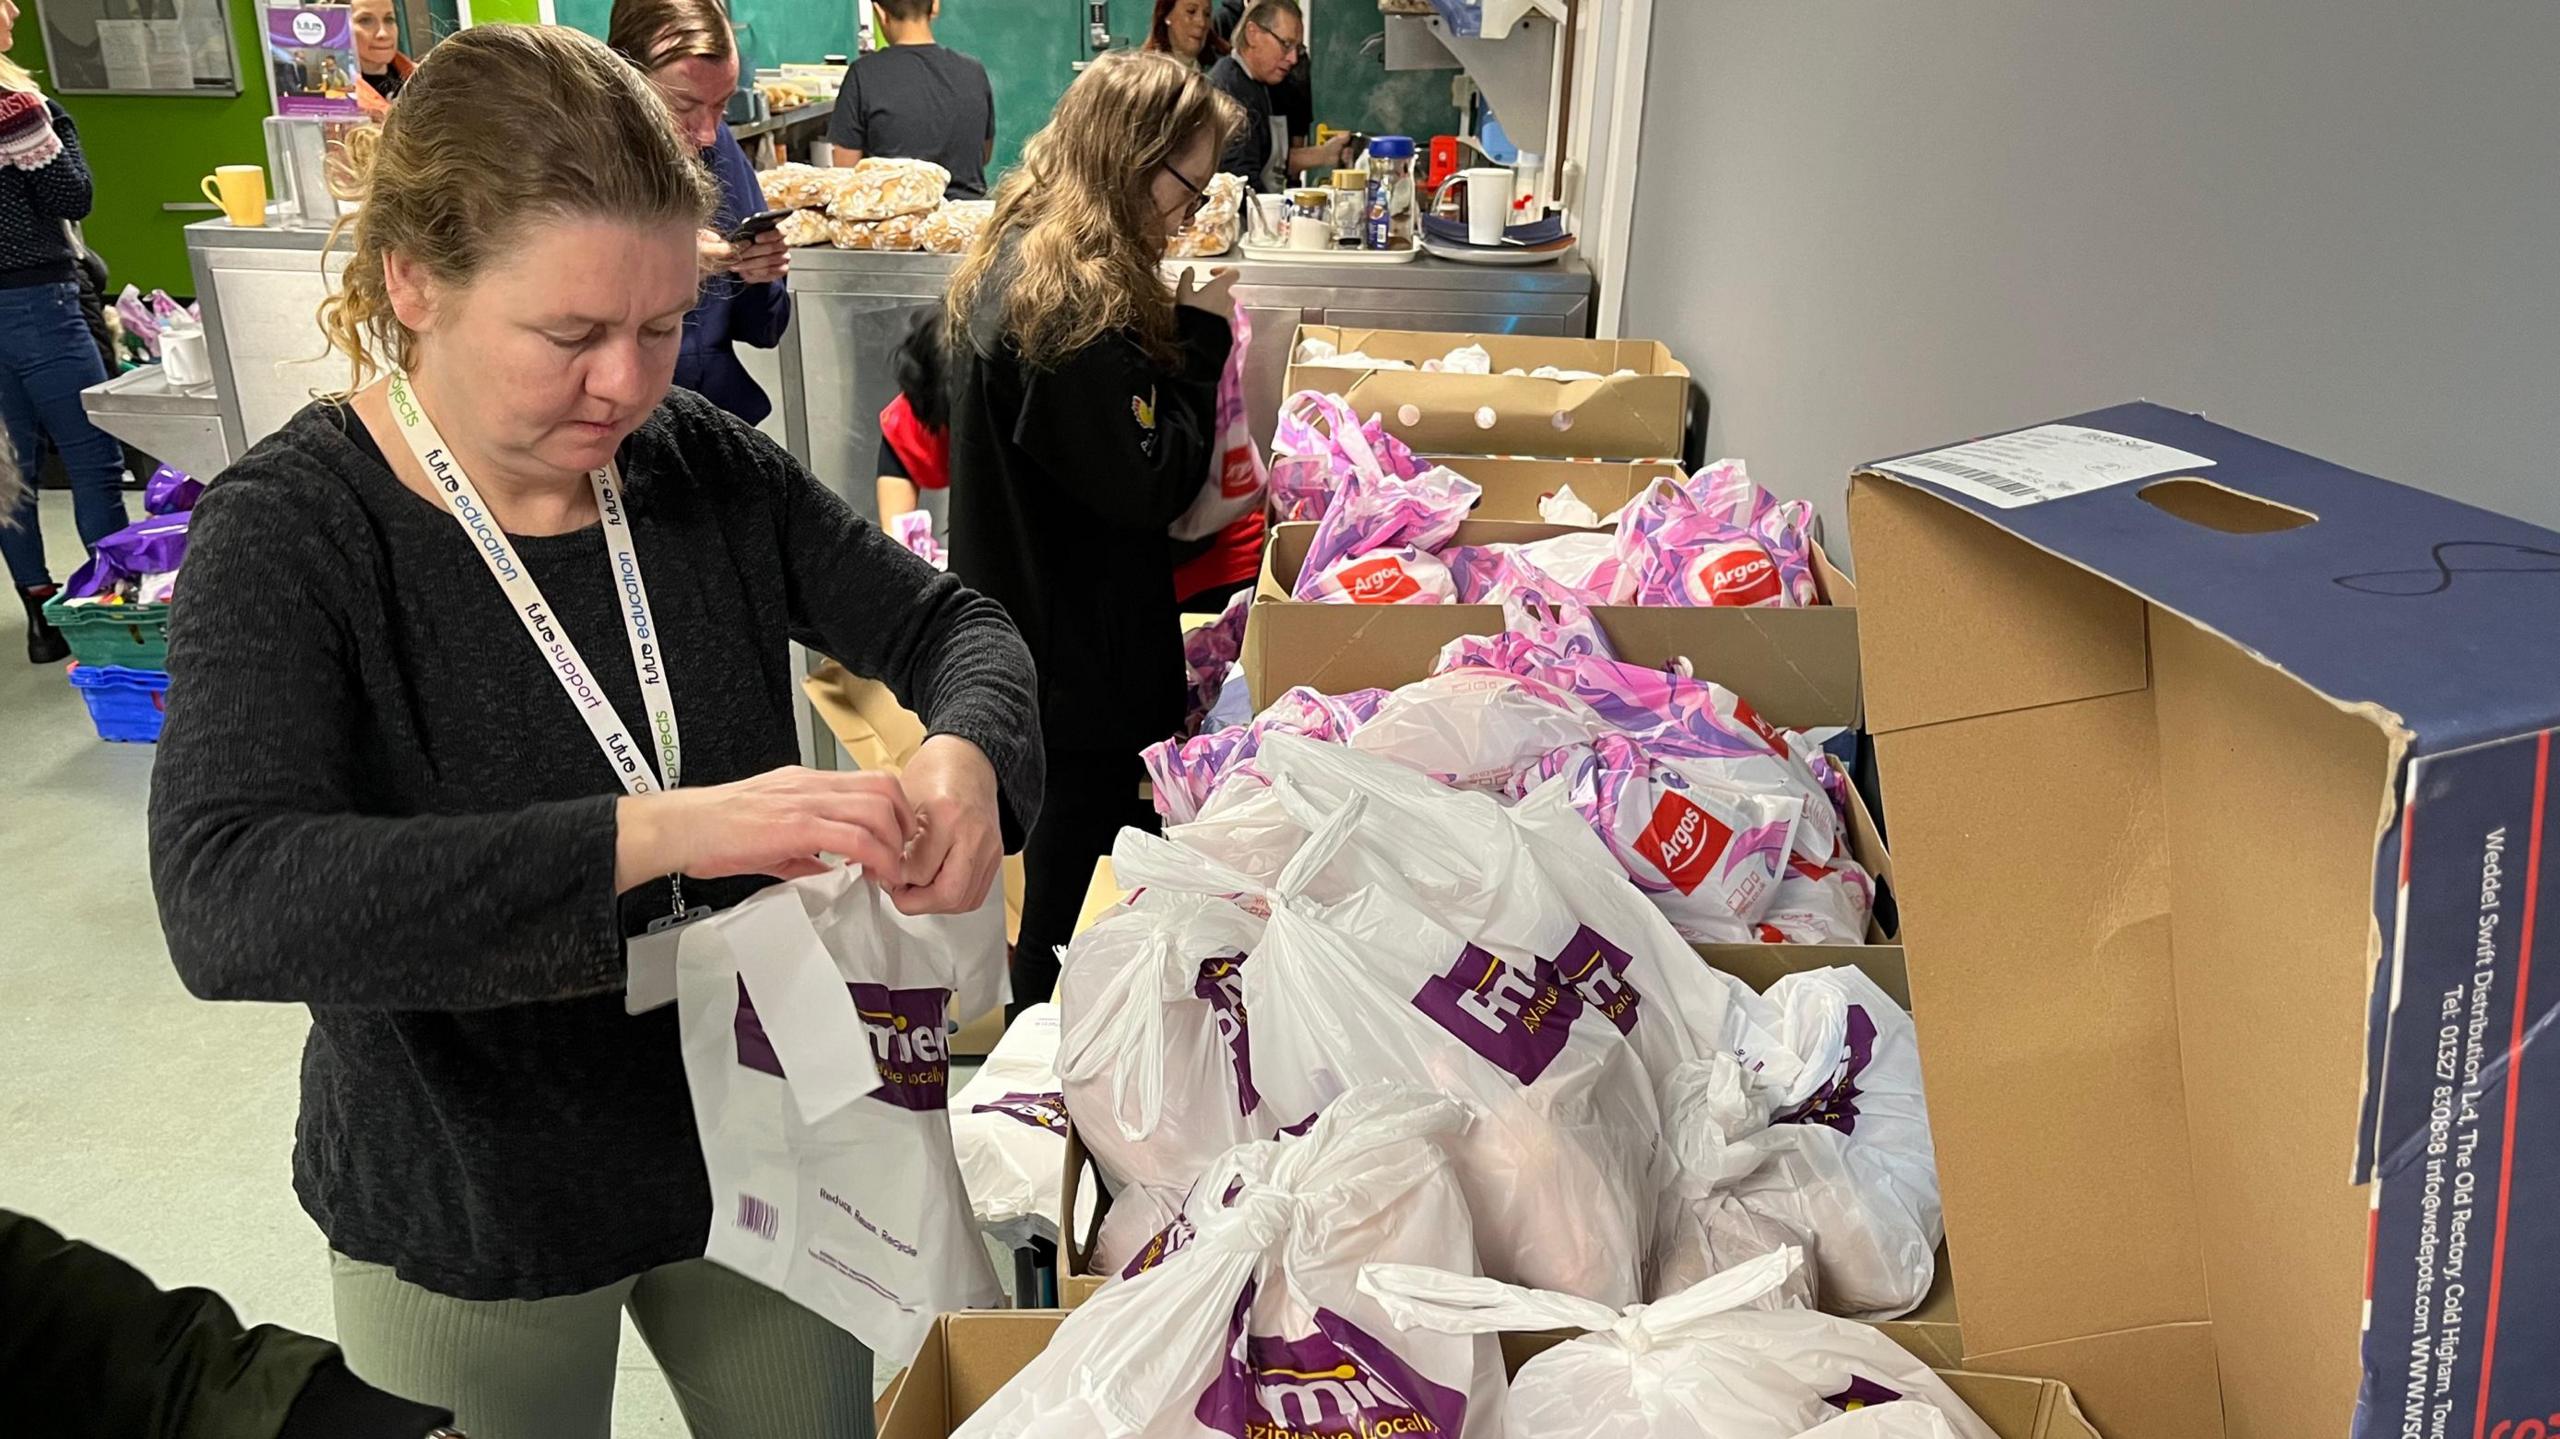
(1271,36)
(916,100)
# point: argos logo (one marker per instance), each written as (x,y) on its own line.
(1683,841)
(1739,574)
(1382,581)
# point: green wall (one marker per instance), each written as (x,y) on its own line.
(144,150)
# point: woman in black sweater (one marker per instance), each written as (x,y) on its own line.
(441,643)
(1083,399)
(47,355)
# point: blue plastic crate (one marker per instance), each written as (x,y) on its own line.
(126,705)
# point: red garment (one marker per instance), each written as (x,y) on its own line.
(925,451)
(1234,558)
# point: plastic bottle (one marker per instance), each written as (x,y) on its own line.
(1389,224)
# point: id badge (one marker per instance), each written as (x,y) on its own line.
(651,957)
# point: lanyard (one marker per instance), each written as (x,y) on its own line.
(612,736)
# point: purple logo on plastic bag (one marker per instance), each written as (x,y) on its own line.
(908,1044)
(1861,1392)
(1596,970)
(1836,1103)
(1167,1242)
(1518,1021)
(1040,1111)
(1299,1129)
(1221,984)
(1336,1381)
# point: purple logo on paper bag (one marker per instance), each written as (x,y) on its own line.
(1337,1381)
(1596,970)
(1518,1021)
(907,1043)
(1040,1111)
(1861,1393)
(1836,1102)
(1221,984)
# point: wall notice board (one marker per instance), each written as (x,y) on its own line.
(140,47)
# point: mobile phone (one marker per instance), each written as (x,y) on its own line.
(756,224)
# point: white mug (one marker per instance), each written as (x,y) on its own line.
(1488,203)
(185,359)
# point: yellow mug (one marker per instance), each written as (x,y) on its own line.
(241,191)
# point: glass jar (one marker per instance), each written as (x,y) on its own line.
(1389,221)
(1350,204)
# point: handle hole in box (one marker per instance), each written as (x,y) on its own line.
(2219,507)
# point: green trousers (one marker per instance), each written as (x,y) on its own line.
(744,1361)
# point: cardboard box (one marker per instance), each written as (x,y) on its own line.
(1798,667)
(1643,416)
(967,1357)
(2219,786)
(1513,486)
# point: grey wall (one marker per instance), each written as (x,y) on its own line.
(1871,226)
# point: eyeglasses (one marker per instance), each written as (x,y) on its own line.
(1198,192)
(1289,48)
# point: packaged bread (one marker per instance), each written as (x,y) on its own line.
(1214,227)
(952,229)
(880,189)
(804,227)
(898,232)
(796,186)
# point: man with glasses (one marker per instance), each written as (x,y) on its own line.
(1269,40)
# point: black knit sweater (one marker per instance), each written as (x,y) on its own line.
(35,249)
(372,798)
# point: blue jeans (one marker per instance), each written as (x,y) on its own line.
(47,357)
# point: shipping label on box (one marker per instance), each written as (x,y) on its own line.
(1636,406)
(2216,775)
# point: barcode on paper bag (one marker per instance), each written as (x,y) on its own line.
(758,1217)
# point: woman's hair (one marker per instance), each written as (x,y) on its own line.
(502,128)
(654,34)
(1075,238)
(1160,33)
(14,76)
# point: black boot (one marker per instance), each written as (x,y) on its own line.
(45,644)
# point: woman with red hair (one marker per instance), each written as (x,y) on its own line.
(1181,29)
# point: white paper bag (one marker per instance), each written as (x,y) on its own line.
(814,1020)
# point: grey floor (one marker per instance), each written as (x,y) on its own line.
(131,1114)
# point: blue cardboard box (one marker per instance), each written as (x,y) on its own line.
(2218,780)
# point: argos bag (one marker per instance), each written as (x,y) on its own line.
(1237,480)
(1318,443)
(813,1021)
(1156,1060)
(1695,1364)
(1251,1322)
(1009,1132)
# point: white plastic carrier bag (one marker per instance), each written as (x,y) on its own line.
(1250,1322)
(1009,1131)
(1560,1163)
(1698,1363)
(1154,1059)
(814,1024)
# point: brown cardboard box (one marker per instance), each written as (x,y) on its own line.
(2199,776)
(1513,486)
(1643,416)
(967,1357)
(1798,667)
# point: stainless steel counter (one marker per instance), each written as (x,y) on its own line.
(177,427)
(261,290)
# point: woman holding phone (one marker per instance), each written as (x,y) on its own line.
(686,49)
(1082,397)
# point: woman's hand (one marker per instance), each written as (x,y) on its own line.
(761,260)
(1217,294)
(777,823)
(959,838)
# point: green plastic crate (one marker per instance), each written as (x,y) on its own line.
(135,637)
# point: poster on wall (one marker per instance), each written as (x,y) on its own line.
(137,47)
(311,54)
